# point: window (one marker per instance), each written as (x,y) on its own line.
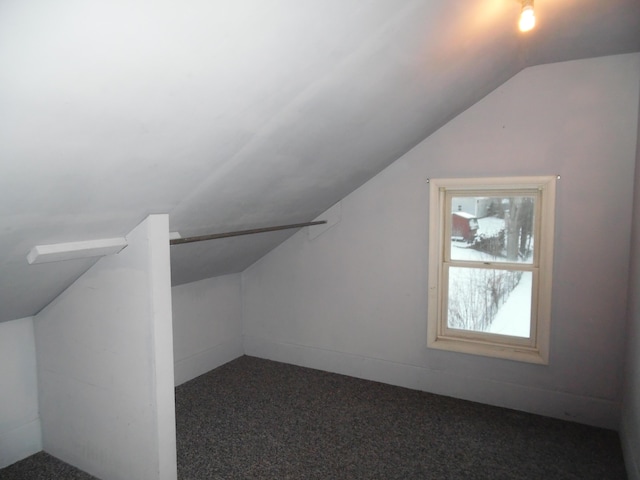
(490,266)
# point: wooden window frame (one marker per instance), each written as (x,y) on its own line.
(534,349)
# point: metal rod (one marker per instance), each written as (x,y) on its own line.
(214,236)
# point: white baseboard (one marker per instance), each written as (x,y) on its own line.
(21,442)
(562,405)
(193,366)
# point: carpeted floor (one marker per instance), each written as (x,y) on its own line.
(257,419)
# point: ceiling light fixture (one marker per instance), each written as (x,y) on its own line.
(527,16)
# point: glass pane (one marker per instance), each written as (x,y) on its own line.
(493,229)
(488,300)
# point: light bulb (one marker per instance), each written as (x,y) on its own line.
(527,18)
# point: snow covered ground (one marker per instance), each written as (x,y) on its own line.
(490,226)
(514,316)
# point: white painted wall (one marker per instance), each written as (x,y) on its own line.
(353,300)
(20,434)
(630,424)
(105,364)
(207,325)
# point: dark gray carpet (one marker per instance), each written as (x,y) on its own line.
(257,419)
(42,466)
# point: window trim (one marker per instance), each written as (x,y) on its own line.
(534,349)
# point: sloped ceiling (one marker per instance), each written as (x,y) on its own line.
(235,114)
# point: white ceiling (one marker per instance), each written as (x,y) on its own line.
(234,114)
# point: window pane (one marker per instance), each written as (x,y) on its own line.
(495,229)
(489,300)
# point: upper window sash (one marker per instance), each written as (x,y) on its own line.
(448,210)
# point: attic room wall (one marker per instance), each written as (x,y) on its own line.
(207,325)
(630,424)
(19,419)
(353,300)
(105,364)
